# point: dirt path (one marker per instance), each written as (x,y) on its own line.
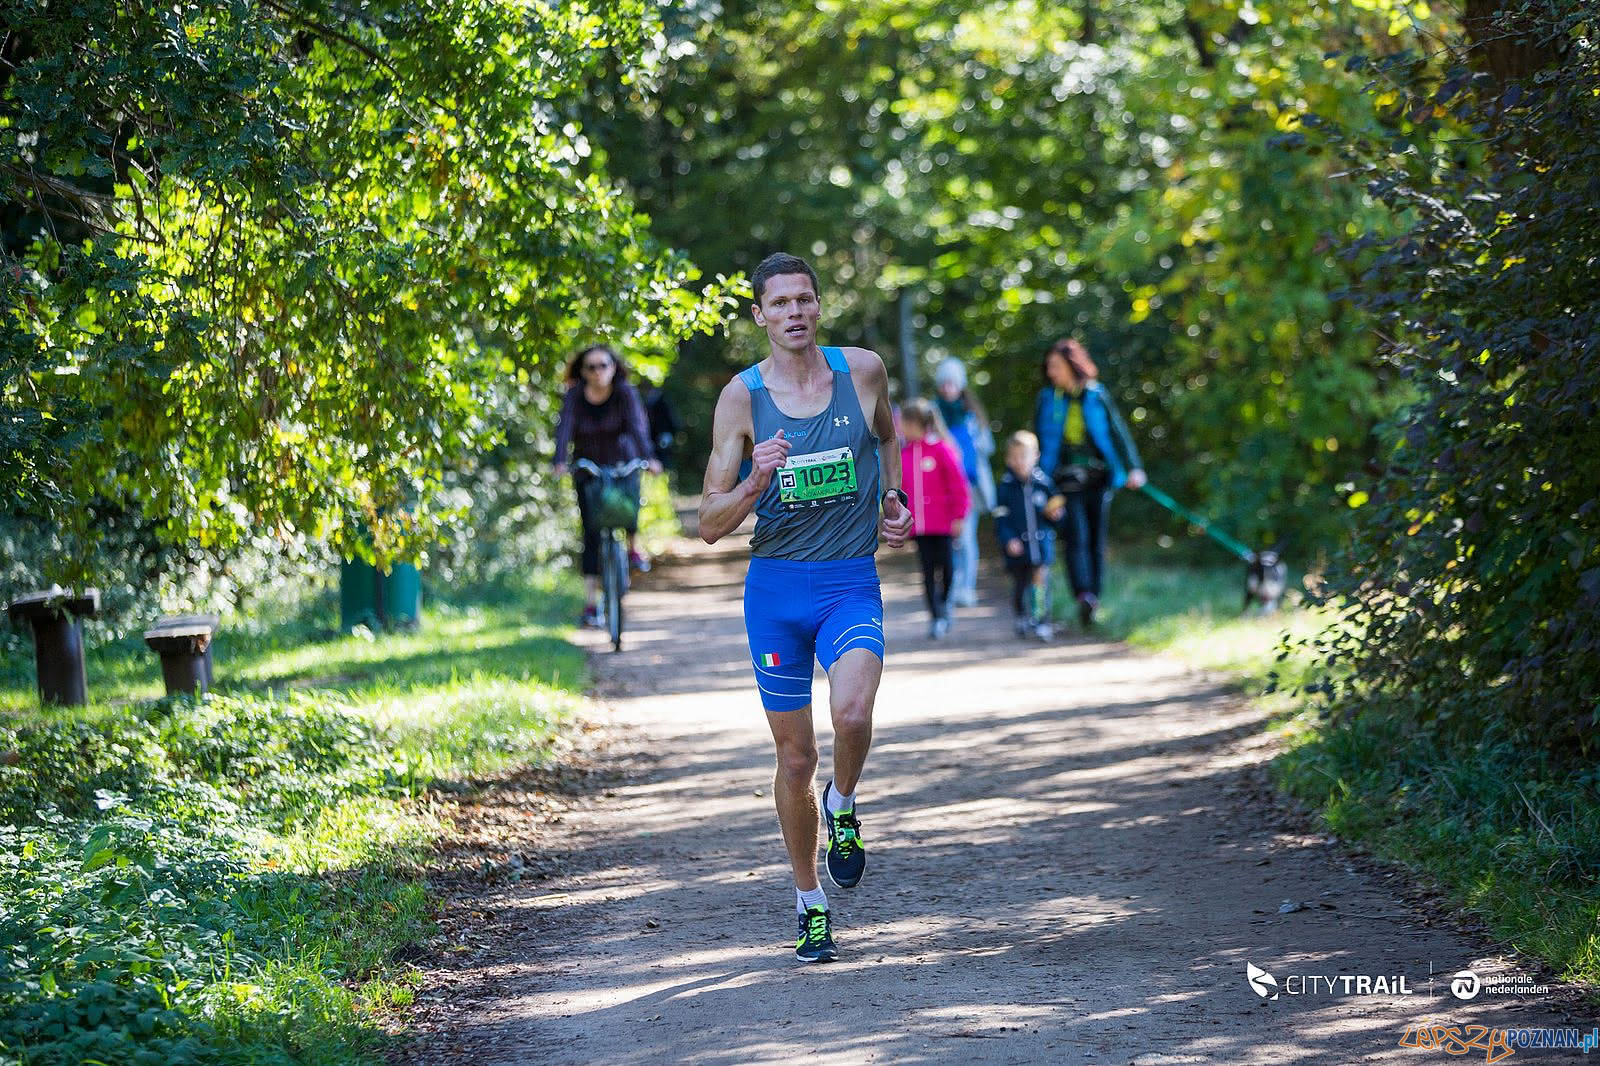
(1072,858)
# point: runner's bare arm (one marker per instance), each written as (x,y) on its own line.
(874,378)
(725,501)
(883,428)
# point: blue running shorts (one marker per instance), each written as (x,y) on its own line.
(794,610)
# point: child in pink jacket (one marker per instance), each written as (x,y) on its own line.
(930,473)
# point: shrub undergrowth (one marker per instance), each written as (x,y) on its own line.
(228,880)
(1463,711)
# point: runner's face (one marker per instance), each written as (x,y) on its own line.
(788,312)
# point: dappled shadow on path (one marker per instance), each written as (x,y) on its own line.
(1071,860)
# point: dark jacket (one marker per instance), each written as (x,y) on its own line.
(605,434)
(1108,434)
(1019,515)
(663,422)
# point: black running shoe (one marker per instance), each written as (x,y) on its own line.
(847,857)
(1086,606)
(815,943)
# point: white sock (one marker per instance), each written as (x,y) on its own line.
(815,899)
(835,803)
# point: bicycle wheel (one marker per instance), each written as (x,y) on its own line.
(616,576)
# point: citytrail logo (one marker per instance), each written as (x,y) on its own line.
(1307,984)
(1264,983)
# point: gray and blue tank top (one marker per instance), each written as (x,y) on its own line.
(823,503)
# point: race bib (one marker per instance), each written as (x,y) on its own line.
(820,479)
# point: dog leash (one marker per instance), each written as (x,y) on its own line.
(1202,524)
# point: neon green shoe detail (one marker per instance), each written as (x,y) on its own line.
(847,856)
(815,943)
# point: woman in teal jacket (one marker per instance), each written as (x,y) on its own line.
(1088,452)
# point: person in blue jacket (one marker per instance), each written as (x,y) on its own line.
(1086,450)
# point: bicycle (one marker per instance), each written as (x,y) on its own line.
(615,505)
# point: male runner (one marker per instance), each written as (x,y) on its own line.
(822,440)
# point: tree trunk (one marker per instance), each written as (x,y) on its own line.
(1508,46)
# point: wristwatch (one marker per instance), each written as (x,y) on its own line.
(905,501)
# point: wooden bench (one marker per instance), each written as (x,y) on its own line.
(184,643)
(55,616)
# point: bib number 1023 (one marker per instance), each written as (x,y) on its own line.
(820,479)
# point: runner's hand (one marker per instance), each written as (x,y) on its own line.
(1136,479)
(895,525)
(1014,547)
(561,471)
(767,457)
(655,466)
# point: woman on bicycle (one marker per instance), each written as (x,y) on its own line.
(1087,451)
(602,420)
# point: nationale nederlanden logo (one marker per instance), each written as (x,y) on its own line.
(1464,984)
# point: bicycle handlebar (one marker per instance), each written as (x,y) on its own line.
(619,470)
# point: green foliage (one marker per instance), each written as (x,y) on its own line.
(1474,578)
(300,261)
(276,757)
(132,905)
(1026,171)
(227,880)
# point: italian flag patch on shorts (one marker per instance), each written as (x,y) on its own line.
(770,659)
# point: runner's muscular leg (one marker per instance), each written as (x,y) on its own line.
(792,791)
(853,682)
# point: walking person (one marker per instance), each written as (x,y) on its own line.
(824,485)
(968,426)
(1025,513)
(1088,452)
(663,422)
(931,474)
(602,420)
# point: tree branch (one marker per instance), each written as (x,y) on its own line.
(1202,46)
(329,33)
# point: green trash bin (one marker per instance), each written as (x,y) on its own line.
(358,596)
(400,597)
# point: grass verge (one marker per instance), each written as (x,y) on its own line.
(235,879)
(1193,613)
(1509,832)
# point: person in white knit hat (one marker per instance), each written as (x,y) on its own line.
(973,441)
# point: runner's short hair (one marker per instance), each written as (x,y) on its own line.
(778,264)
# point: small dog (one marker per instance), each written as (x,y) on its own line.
(1266,576)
